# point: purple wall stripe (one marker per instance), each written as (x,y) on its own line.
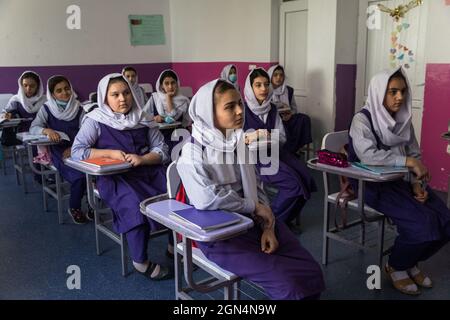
(84,78)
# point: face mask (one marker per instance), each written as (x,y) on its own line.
(62,104)
(169,120)
(232,78)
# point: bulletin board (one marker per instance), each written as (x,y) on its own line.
(147,30)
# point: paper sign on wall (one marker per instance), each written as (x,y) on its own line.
(146,30)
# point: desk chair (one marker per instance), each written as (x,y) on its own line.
(103,220)
(53,184)
(218,278)
(367,215)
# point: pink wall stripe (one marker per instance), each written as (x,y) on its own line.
(436,116)
(196,74)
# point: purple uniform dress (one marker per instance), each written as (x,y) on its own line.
(76,178)
(422,228)
(298,128)
(22,113)
(293,180)
(124,192)
(291,273)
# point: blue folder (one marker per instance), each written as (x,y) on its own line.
(205,219)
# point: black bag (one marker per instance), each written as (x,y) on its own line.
(9,137)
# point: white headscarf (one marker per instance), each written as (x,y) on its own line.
(33,104)
(160,98)
(70,111)
(252,102)
(138,92)
(134,119)
(225,74)
(216,144)
(392,132)
(280,94)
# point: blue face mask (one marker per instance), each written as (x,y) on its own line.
(62,104)
(232,78)
(169,120)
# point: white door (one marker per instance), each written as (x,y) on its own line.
(293,47)
(374,52)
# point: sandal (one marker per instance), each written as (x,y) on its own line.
(420,279)
(402,284)
(163,274)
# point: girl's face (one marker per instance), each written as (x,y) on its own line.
(62,91)
(277,78)
(30,87)
(169,86)
(232,70)
(395,96)
(261,88)
(131,76)
(119,97)
(228,111)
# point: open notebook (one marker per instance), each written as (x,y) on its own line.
(205,219)
(380,170)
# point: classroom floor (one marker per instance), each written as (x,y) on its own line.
(36,251)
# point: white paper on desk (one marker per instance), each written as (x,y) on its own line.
(25,136)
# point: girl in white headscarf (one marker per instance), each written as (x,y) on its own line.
(293,180)
(119,129)
(229,74)
(28,100)
(167,104)
(131,74)
(298,125)
(61,115)
(382,134)
(268,254)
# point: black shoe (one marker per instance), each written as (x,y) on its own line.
(163,274)
(77,215)
(90,215)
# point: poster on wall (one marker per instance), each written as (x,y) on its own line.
(147,30)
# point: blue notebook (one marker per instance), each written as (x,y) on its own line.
(205,219)
(380,170)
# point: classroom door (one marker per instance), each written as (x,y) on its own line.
(374,51)
(293,47)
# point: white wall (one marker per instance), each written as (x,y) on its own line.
(321,66)
(347,31)
(438,33)
(218,30)
(34,33)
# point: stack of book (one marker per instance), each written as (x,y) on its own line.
(205,220)
(106,164)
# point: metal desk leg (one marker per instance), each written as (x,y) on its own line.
(361,211)
(326,222)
